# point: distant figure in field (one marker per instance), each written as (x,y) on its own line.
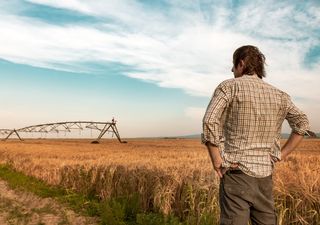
(241,129)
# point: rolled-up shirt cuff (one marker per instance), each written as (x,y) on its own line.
(310,133)
(301,131)
(205,140)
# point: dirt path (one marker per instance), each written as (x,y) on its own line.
(17,207)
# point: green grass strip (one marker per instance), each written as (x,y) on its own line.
(116,211)
(20,181)
(76,201)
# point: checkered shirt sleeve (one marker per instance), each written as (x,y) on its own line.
(212,122)
(297,119)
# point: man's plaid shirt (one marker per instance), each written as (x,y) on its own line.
(244,119)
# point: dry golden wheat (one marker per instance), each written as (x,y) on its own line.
(172,176)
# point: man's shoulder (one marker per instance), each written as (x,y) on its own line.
(232,82)
(235,84)
(228,82)
(276,89)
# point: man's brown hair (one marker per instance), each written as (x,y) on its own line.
(253,60)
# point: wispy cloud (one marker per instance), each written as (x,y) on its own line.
(182,44)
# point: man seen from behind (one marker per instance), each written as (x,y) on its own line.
(242,130)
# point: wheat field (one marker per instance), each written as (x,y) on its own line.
(172,176)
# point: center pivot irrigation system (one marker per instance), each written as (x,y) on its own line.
(103,127)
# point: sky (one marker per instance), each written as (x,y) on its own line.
(152,65)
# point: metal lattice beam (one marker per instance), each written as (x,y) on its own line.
(103,127)
(5,131)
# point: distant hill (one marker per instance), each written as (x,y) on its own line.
(193,136)
(285,135)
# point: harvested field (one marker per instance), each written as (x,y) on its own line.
(170,176)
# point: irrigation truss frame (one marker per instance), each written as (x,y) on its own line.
(103,127)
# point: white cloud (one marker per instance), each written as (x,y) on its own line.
(182,47)
(70,4)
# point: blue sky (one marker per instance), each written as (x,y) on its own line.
(153,65)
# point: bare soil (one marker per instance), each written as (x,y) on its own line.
(18,207)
